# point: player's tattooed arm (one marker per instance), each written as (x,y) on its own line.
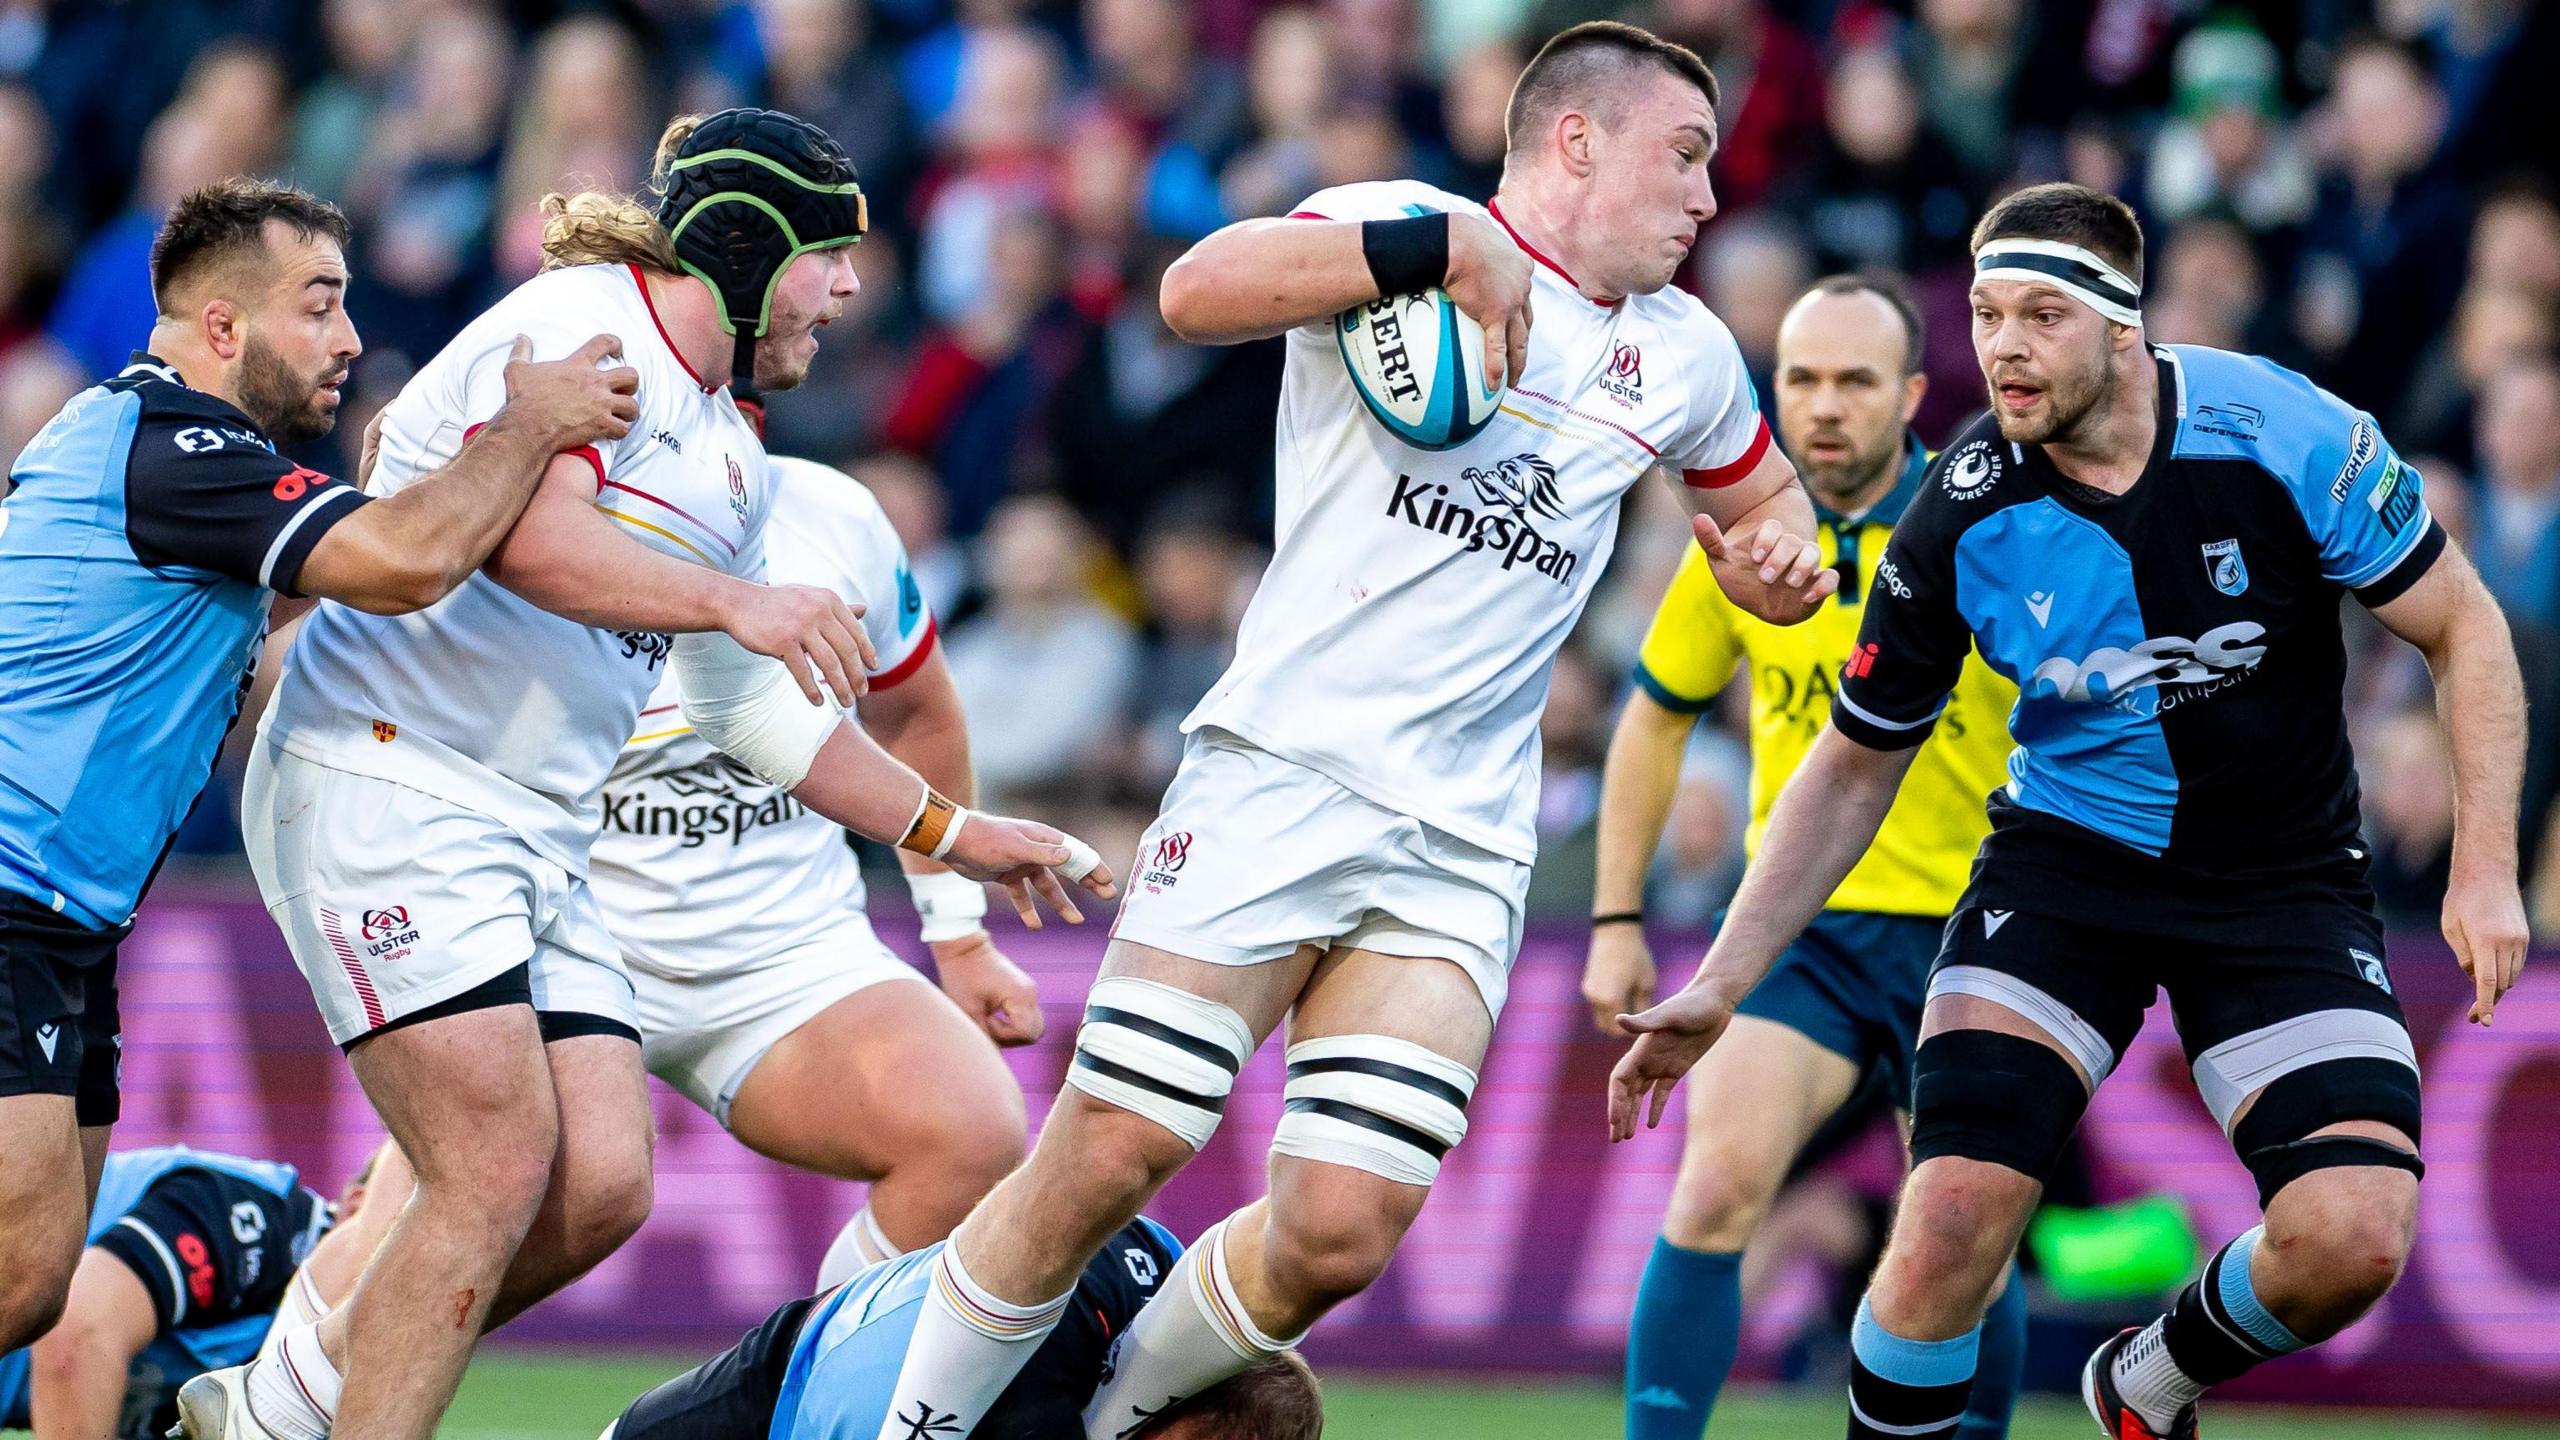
(2452,619)
(1823,821)
(1762,541)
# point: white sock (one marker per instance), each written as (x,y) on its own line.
(966,1348)
(1193,1335)
(300,1309)
(858,1246)
(2151,1382)
(294,1392)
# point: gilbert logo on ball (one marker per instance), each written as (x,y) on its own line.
(1418,364)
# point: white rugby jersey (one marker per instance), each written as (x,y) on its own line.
(484,699)
(1401,640)
(700,864)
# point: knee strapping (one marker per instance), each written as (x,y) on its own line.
(2275,1138)
(2276,1166)
(1160,1052)
(1999,1098)
(1374,1103)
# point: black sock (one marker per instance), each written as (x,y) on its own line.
(2217,1331)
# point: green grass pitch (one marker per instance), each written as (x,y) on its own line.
(538,1396)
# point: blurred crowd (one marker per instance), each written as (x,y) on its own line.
(2362,189)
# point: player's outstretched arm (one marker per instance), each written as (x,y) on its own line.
(79,1368)
(1257,278)
(1636,786)
(2454,621)
(406,551)
(566,557)
(919,722)
(1761,540)
(1824,820)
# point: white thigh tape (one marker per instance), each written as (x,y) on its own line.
(1374,1103)
(1160,1052)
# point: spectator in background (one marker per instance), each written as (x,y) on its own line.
(2493,326)
(587,120)
(1101,181)
(1972,51)
(912,499)
(1290,82)
(934,70)
(1148,70)
(862,368)
(2519,443)
(1753,270)
(340,109)
(2227,149)
(2409,817)
(1883,192)
(979,385)
(1700,861)
(1192,573)
(1045,670)
(2516,242)
(227,120)
(2205,287)
(427,187)
(2375,281)
(818,66)
(1377,56)
(1475,103)
(1142,410)
(1771,76)
(36,381)
(1000,160)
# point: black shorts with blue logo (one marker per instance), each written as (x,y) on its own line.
(1852,983)
(59,1029)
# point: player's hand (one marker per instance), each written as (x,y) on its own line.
(2484,923)
(990,988)
(1788,566)
(570,399)
(372,452)
(1669,1039)
(1618,976)
(1489,279)
(811,631)
(1027,859)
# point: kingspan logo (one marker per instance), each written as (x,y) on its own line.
(2109,676)
(1510,492)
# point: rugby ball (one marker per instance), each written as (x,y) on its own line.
(1418,362)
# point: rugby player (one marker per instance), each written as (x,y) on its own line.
(146,531)
(1349,837)
(2152,541)
(422,797)
(759,982)
(1844,1002)
(820,1369)
(188,1256)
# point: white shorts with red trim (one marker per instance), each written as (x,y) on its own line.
(394,900)
(1253,856)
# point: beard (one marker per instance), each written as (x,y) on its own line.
(1834,481)
(2069,401)
(290,407)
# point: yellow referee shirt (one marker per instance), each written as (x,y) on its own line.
(1924,853)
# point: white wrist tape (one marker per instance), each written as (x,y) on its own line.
(746,706)
(951,907)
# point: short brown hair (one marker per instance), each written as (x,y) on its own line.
(1588,64)
(215,223)
(2073,215)
(1276,1398)
(1891,291)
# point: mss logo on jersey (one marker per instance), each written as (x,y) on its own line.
(2213,661)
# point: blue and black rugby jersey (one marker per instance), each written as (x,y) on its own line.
(2176,648)
(148,527)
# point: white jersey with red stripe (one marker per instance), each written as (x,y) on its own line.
(1401,641)
(699,864)
(483,699)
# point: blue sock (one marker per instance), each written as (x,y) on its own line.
(1995,1371)
(1687,1325)
(1904,1389)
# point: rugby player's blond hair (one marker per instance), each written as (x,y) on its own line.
(600,227)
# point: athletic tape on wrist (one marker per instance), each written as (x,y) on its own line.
(949,906)
(931,828)
(1407,254)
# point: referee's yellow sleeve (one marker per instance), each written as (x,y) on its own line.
(1692,646)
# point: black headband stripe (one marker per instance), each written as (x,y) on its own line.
(2087,277)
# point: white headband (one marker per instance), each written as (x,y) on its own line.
(2090,280)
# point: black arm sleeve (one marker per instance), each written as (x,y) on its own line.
(1912,640)
(210,1247)
(210,495)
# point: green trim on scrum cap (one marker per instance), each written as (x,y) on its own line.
(791,237)
(850,187)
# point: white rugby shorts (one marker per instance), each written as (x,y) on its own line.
(1253,856)
(702,1030)
(394,900)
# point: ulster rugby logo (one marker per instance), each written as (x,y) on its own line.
(1624,379)
(1164,861)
